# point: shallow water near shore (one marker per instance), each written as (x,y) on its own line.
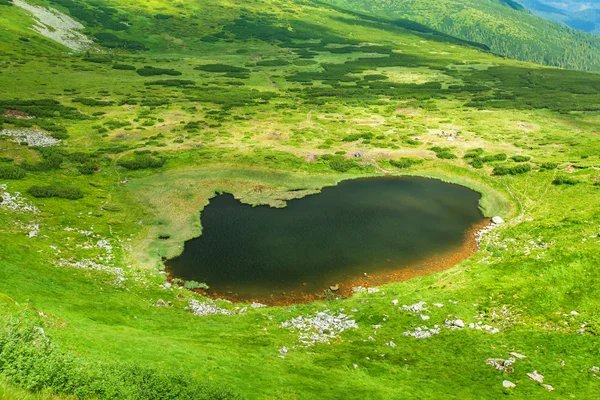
(389,228)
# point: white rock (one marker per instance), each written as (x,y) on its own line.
(549,387)
(535,376)
(574,313)
(395,302)
(517,355)
(424,317)
(497,220)
(257,305)
(283,350)
(508,384)
(372,290)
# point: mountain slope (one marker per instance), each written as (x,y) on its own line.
(108,157)
(504,26)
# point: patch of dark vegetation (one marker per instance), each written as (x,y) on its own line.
(520,159)
(548,166)
(93,102)
(561,91)
(443,153)
(141,160)
(52,159)
(113,41)
(358,136)
(98,16)
(171,83)
(221,68)
(153,71)
(11,172)
(44,108)
(502,170)
(565,180)
(32,361)
(55,191)
(124,67)
(6,3)
(97,59)
(403,163)
(235,97)
(338,163)
(273,63)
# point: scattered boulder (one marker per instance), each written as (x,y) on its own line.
(454,324)
(517,355)
(535,376)
(423,332)
(257,305)
(497,220)
(501,364)
(416,308)
(508,384)
(549,387)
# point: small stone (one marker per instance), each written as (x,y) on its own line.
(517,355)
(372,290)
(283,350)
(535,376)
(395,302)
(508,384)
(497,220)
(355,366)
(595,369)
(257,305)
(334,288)
(424,317)
(549,387)
(574,313)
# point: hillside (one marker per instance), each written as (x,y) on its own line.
(506,27)
(120,120)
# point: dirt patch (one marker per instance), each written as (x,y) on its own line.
(16,114)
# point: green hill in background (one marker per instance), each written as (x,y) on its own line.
(503,25)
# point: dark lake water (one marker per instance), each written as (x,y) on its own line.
(359,226)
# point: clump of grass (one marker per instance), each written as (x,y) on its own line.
(141,160)
(520,158)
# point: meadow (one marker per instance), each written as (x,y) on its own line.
(270,101)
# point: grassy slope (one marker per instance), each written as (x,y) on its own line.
(507,31)
(257,151)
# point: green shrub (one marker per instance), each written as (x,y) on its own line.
(548,166)
(221,68)
(516,170)
(191,285)
(494,158)
(446,155)
(171,82)
(152,71)
(564,180)
(55,191)
(141,160)
(124,67)
(476,163)
(404,162)
(520,158)
(11,172)
(473,153)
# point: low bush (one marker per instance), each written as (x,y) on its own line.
(153,71)
(564,180)
(404,162)
(11,172)
(124,67)
(171,82)
(502,170)
(476,163)
(221,68)
(548,166)
(520,158)
(191,285)
(55,191)
(473,153)
(494,158)
(141,160)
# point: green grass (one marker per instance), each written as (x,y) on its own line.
(147,158)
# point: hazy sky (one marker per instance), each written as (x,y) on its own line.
(573,5)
